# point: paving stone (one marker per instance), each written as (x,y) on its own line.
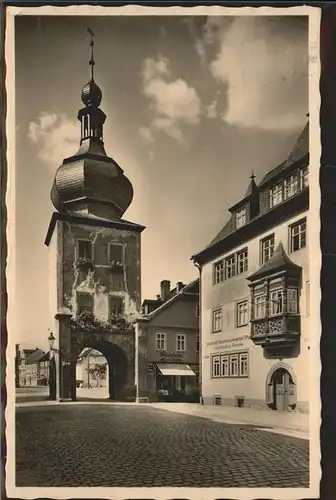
(133,446)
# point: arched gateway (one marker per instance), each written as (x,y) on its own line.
(281,388)
(94,259)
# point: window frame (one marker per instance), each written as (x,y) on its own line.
(215,361)
(303,174)
(262,248)
(295,180)
(272,193)
(115,244)
(78,305)
(111,297)
(273,313)
(181,338)
(238,304)
(235,357)
(244,375)
(244,252)
(230,263)
(221,274)
(226,358)
(84,240)
(257,296)
(294,301)
(213,320)
(160,337)
(241,216)
(292,227)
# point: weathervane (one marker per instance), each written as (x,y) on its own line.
(252,174)
(92,61)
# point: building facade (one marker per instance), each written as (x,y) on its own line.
(94,257)
(254,294)
(33,367)
(168,333)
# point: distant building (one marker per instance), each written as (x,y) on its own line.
(254,294)
(33,367)
(168,333)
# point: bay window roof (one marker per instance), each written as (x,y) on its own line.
(277,263)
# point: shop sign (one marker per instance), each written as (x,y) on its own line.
(170,357)
(233,343)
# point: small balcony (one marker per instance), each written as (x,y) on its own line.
(277,331)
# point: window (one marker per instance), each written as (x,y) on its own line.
(84,248)
(84,303)
(180,343)
(215,366)
(242,261)
(267,248)
(292,300)
(230,266)
(234,365)
(276,195)
(242,313)
(259,306)
(116,305)
(115,252)
(160,341)
(304,178)
(241,218)
(276,300)
(219,272)
(117,282)
(291,185)
(243,364)
(217,320)
(224,366)
(298,235)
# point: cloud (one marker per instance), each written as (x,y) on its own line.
(172,101)
(55,135)
(146,134)
(261,62)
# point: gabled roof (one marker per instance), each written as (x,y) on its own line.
(191,288)
(35,356)
(278,262)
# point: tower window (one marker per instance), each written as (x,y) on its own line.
(84,303)
(241,218)
(116,252)
(85,249)
(116,305)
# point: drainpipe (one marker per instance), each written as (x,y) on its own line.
(200,330)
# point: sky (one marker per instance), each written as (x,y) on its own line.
(193,105)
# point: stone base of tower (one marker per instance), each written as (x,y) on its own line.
(96,302)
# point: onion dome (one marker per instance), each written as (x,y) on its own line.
(91,94)
(90,182)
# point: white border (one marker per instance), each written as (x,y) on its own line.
(315,261)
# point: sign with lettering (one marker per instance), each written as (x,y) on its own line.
(171,357)
(234,343)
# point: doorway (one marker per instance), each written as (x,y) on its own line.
(281,390)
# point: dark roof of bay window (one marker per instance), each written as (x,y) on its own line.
(299,152)
(278,262)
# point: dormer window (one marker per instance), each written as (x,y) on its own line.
(291,185)
(304,181)
(276,195)
(241,217)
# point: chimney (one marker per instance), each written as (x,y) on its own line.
(165,289)
(179,286)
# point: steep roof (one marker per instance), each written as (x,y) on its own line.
(278,262)
(35,356)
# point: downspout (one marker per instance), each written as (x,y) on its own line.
(200,331)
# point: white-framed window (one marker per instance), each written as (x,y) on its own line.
(116,305)
(230,266)
(291,185)
(217,320)
(234,365)
(276,302)
(115,252)
(298,235)
(241,217)
(180,342)
(276,195)
(218,272)
(304,177)
(267,248)
(242,261)
(243,364)
(224,365)
(160,341)
(242,313)
(84,303)
(292,300)
(84,249)
(259,306)
(215,366)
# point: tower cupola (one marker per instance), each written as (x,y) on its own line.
(90,182)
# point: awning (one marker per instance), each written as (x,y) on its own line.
(176,369)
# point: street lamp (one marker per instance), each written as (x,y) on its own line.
(51,340)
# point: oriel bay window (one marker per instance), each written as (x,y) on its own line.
(230,365)
(275,318)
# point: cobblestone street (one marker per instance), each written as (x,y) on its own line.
(140,446)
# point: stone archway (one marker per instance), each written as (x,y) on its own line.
(118,367)
(281,388)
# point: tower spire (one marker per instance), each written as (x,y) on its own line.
(252,175)
(92,61)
